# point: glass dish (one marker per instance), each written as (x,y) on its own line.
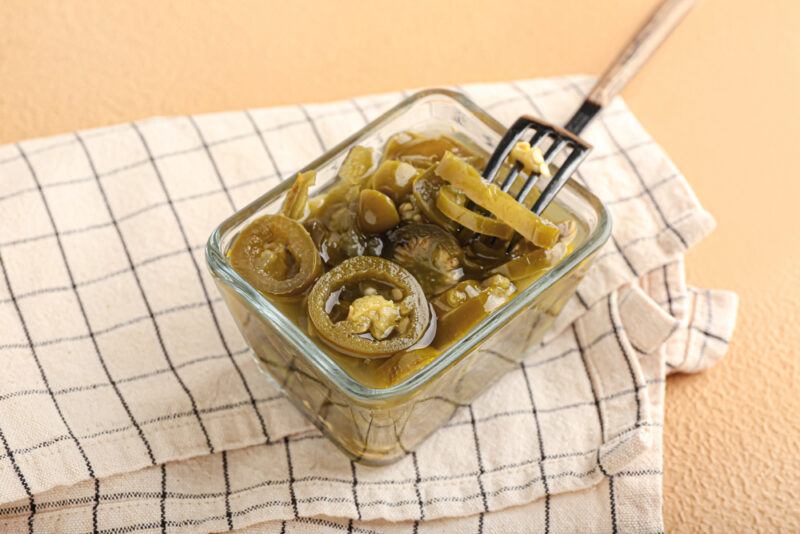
(379,426)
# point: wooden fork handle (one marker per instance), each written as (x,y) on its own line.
(666,17)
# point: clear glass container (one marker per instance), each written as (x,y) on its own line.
(379,426)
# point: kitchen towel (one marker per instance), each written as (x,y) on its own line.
(129,401)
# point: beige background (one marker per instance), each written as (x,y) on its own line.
(721,97)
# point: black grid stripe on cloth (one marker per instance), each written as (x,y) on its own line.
(113,384)
(291,480)
(87,463)
(162,498)
(206,295)
(355,490)
(146,301)
(8,451)
(213,162)
(267,151)
(479,456)
(226,474)
(110,131)
(210,521)
(417,480)
(540,442)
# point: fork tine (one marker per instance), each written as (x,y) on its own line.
(538,137)
(530,182)
(511,177)
(554,149)
(558,181)
(533,178)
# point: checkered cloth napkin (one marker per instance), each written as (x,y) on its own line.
(129,402)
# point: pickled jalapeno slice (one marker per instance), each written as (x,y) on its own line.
(465,177)
(423,151)
(452,204)
(373,325)
(356,165)
(466,304)
(394,178)
(296,201)
(276,255)
(376,212)
(426,188)
(430,253)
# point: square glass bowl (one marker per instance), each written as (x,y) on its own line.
(379,426)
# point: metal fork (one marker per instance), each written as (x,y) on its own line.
(565,140)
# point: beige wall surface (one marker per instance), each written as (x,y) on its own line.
(721,96)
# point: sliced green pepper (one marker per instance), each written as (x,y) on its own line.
(455,296)
(450,204)
(356,165)
(454,324)
(463,306)
(423,151)
(431,254)
(276,255)
(376,212)
(502,205)
(294,205)
(426,188)
(394,178)
(348,335)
